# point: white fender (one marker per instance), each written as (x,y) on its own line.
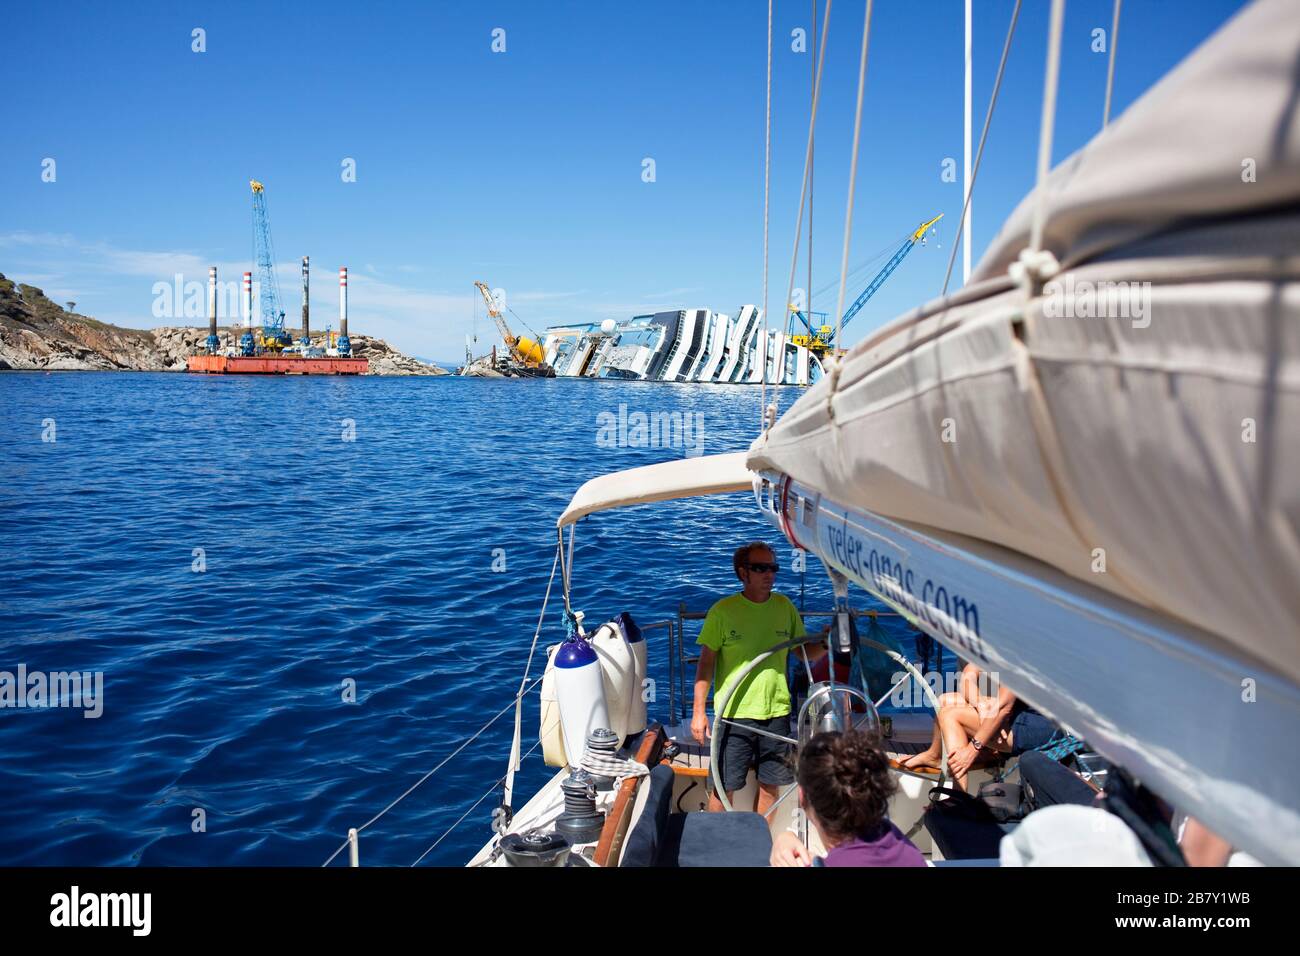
(618,671)
(636,640)
(549,731)
(580,690)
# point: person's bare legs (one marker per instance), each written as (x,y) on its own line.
(959,724)
(970,687)
(715,802)
(768,794)
(934,754)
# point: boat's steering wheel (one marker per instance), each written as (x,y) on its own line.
(723,696)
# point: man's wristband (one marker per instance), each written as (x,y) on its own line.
(975,742)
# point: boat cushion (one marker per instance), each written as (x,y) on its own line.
(716,839)
(960,837)
(663,838)
(648,834)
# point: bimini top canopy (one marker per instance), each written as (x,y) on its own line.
(683,478)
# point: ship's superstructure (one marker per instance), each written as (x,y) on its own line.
(687,345)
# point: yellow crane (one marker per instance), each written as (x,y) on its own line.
(523,349)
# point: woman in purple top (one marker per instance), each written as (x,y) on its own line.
(844,787)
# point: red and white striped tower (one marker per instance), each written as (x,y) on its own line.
(212,343)
(248,300)
(343,300)
(345,344)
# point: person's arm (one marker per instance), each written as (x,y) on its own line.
(1203,847)
(814,647)
(703,681)
(961,761)
(788,850)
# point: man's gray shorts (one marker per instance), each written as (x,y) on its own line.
(742,749)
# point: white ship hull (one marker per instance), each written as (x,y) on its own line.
(690,345)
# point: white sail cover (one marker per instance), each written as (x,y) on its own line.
(1154,451)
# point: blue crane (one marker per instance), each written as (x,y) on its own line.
(820,340)
(273,333)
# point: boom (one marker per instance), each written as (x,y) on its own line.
(883,274)
(820,340)
(506,335)
(273,334)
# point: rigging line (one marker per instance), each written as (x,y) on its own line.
(767,193)
(812,167)
(564,569)
(1048,123)
(967,71)
(573,530)
(478,733)
(807,167)
(536,337)
(815,67)
(1110,67)
(853,172)
(519,700)
(470,810)
(866,264)
(979,153)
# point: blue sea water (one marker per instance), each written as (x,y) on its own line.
(349,529)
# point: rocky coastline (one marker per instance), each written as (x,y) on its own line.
(37,334)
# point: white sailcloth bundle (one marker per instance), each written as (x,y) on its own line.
(1153,449)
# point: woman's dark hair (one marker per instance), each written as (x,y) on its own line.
(845,779)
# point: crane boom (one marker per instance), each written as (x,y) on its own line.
(264,254)
(820,340)
(895,261)
(506,335)
(524,352)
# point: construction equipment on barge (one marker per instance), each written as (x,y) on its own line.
(522,357)
(269,349)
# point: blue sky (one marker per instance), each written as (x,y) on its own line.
(522,168)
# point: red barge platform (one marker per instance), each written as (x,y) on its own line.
(277,365)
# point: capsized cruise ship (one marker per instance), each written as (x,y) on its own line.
(688,345)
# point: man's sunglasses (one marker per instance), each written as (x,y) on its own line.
(763,568)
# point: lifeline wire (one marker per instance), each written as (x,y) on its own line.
(478,733)
(470,810)
(519,700)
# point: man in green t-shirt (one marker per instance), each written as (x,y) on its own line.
(736,630)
